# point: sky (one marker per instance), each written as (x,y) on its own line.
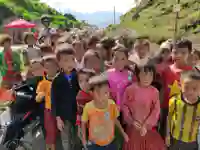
(89,6)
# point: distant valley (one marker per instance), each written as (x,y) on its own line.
(100,18)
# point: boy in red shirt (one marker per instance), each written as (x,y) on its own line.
(171,77)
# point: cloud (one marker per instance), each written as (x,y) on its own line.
(90,6)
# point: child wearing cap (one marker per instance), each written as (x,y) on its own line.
(100,116)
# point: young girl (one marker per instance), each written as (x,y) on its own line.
(140,56)
(141,109)
(119,77)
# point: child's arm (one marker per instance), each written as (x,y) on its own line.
(169,118)
(84,122)
(117,123)
(83,127)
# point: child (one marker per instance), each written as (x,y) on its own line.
(141,109)
(92,61)
(171,76)
(64,91)
(164,57)
(141,54)
(119,77)
(84,96)
(44,91)
(101,115)
(11,63)
(79,49)
(184,112)
(31,52)
(195,54)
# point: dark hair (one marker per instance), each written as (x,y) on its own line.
(5,38)
(93,40)
(146,68)
(48,58)
(107,43)
(86,71)
(26,35)
(64,49)
(90,54)
(37,60)
(120,48)
(183,44)
(192,74)
(98,81)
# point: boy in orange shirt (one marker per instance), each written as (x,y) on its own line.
(101,115)
(44,93)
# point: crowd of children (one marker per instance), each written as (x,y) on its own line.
(100,95)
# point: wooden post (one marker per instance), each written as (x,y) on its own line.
(176,10)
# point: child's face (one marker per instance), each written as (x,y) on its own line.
(51,68)
(142,50)
(83,81)
(166,55)
(190,90)
(195,60)
(94,63)
(67,62)
(101,94)
(120,60)
(180,55)
(146,78)
(31,40)
(37,69)
(7,44)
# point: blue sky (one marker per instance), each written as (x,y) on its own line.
(89,6)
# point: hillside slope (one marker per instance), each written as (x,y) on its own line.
(33,10)
(156,19)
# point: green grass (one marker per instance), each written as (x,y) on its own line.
(157,20)
(33,10)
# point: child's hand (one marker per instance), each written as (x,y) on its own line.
(143,131)
(137,125)
(126,138)
(167,141)
(60,124)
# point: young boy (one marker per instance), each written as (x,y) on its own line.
(64,90)
(171,77)
(84,96)
(184,113)
(44,93)
(10,63)
(101,116)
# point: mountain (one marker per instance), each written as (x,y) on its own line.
(156,19)
(99,18)
(33,10)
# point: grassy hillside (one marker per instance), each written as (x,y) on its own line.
(156,19)
(32,10)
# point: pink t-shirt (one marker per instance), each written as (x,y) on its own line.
(141,104)
(118,81)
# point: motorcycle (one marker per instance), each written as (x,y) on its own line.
(21,118)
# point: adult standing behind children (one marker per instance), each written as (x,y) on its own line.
(64,90)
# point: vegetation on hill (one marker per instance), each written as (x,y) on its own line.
(33,10)
(156,19)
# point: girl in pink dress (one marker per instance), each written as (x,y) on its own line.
(141,109)
(119,77)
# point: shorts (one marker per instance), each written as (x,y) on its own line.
(50,127)
(93,146)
